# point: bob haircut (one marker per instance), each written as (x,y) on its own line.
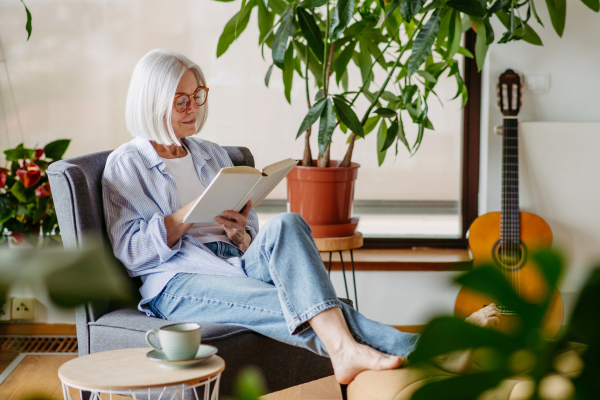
(151,92)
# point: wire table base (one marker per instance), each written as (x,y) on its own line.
(182,391)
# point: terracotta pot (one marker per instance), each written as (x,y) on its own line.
(323,196)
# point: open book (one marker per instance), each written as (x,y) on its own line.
(234,186)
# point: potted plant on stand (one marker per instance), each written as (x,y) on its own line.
(27,214)
(401,47)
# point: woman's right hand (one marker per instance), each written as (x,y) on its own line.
(175,226)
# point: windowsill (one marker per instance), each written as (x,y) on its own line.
(422,259)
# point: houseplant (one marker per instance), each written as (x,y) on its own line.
(401,47)
(525,353)
(26,206)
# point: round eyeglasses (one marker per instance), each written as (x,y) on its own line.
(183,101)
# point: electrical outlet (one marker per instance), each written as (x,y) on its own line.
(22,308)
(5,310)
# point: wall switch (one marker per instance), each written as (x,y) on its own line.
(5,310)
(537,83)
(22,308)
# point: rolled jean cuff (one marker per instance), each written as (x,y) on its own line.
(300,323)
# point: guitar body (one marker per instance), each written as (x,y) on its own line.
(484,242)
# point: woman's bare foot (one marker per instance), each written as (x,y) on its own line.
(353,358)
(459,362)
(348,357)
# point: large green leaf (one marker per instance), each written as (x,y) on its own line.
(385,112)
(457,334)
(281,37)
(28,24)
(288,72)
(481,46)
(21,193)
(55,150)
(313,3)
(311,33)
(469,7)
(558,14)
(341,62)
(265,21)
(364,63)
(402,134)
(268,75)
(410,8)
(250,384)
(423,42)
(381,137)
(550,264)
(326,126)
(19,153)
(530,36)
(234,28)
(371,124)
(348,117)
(311,117)
(593,4)
(342,15)
(454,35)
(391,136)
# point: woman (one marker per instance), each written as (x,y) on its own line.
(272,281)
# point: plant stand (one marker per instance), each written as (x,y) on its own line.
(340,244)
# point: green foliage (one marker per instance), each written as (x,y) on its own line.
(25,210)
(525,351)
(28,26)
(413,43)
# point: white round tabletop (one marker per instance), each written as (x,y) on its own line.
(129,369)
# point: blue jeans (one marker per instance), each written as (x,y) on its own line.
(287,285)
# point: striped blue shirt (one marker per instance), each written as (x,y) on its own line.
(138,194)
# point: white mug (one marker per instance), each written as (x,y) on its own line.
(178,341)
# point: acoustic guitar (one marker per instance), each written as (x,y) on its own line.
(506,238)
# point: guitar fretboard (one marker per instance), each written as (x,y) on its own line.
(510,222)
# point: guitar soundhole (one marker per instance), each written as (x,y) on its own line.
(510,256)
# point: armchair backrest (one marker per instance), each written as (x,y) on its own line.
(77,192)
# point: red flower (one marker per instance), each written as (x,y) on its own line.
(39,153)
(2,179)
(29,174)
(17,238)
(43,190)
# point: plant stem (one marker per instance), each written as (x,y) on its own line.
(348,157)
(307,159)
(324,160)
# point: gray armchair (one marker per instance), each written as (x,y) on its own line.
(77,191)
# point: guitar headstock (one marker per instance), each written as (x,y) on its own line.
(509,93)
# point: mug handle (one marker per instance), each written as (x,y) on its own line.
(151,331)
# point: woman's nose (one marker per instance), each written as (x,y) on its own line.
(193,107)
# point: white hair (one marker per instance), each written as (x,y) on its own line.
(151,92)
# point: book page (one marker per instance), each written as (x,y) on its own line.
(272,175)
(224,193)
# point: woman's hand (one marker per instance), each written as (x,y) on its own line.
(235,226)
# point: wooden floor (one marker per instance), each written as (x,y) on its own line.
(37,377)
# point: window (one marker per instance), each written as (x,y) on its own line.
(70,80)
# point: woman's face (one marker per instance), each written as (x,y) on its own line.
(184,123)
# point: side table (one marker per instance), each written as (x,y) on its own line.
(129,372)
(340,244)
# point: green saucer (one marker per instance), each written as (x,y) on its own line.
(205,351)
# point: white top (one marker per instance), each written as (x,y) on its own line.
(190,188)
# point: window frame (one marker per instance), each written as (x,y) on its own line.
(469,203)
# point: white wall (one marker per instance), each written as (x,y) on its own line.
(572,65)
(99,42)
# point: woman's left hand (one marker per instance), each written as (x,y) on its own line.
(235,226)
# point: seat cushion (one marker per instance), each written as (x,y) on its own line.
(125,328)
